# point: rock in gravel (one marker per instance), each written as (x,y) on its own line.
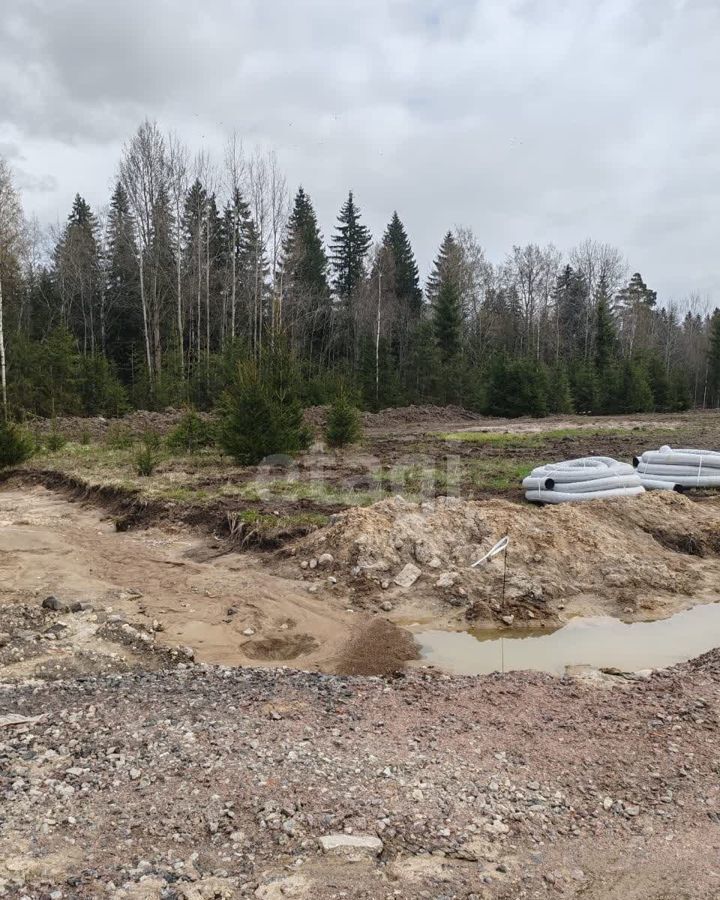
(249,632)
(446,580)
(78,606)
(351,844)
(407,576)
(325,559)
(508,620)
(54,604)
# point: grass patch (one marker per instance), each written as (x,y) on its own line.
(498,474)
(537,438)
(268,530)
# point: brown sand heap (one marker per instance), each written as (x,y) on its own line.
(623,550)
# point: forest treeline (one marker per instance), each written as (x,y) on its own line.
(197,267)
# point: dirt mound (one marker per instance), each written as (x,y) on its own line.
(96,427)
(605,549)
(379,649)
(398,415)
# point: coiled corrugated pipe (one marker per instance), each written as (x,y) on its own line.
(682,468)
(587,478)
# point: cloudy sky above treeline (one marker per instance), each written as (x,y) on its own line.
(527,120)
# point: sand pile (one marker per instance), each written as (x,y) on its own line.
(624,550)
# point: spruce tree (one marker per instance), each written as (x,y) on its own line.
(349,248)
(584,387)
(659,384)
(247,430)
(447,320)
(77,270)
(713,375)
(241,253)
(305,278)
(605,334)
(516,387)
(571,299)
(123,317)
(15,445)
(680,393)
(261,414)
(446,267)
(406,280)
(343,424)
(559,394)
(636,392)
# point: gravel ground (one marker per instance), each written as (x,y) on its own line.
(214,782)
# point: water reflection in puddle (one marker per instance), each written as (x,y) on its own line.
(594,641)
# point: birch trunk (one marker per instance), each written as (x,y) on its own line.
(146,330)
(207,301)
(199,295)
(3,370)
(181,337)
(233,286)
(377,341)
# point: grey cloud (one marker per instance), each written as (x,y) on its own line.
(35,184)
(10,150)
(526,119)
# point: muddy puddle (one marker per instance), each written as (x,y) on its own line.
(595,641)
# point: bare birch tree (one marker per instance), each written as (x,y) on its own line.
(597,262)
(11,244)
(235,175)
(259,188)
(279,212)
(143,173)
(178,176)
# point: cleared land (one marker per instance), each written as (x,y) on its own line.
(137,761)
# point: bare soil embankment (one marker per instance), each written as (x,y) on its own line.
(643,557)
(333,600)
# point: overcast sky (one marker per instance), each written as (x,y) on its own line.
(528,120)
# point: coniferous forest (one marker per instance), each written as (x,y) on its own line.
(198,267)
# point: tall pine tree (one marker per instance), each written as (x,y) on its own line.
(406,280)
(605,334)
(78,276)
(714,359)
(350,245)
(306,294)
(123,321)
(446,266)
(444,291)
(349,248)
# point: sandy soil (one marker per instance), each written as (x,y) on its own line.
(639,558)
(331,601)
(199,595)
